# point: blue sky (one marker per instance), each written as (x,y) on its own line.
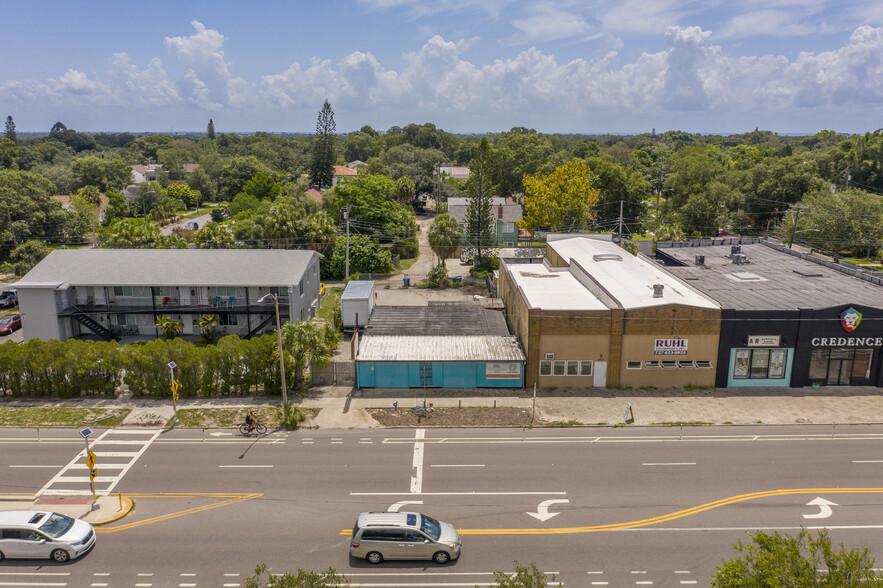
(790,66)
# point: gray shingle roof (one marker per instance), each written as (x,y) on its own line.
(187,267)
(437,320)
(773,280)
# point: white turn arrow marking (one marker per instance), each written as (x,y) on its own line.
(543,513)
(824,508)
(395,507)
(219,434)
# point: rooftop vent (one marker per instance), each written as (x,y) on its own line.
(607,257)
(740,259)
(809,273)
(700,260)
(657,290)
(735,250)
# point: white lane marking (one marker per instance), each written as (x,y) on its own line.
(230,575)
(184,574)
(867,461)
(146,574)
(643,583)
(307,442)
(682,571)
(824,508)
(417,463)
(783,528)
(245,466)
(457,465)
(36,466)
(116,453)
(395,507)
(144,445)
(542,513)
(639,571)
(599,583)
(143,585)
(670,463)
(34,573)
(101,574)
(688,582)
(230,585)
(32,584)
(594,572)
(554,493)
(99,584)
(183,585)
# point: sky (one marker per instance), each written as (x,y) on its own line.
(467,66)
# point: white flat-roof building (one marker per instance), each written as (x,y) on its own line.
(594,315)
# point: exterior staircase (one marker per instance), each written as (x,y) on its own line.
(87,321)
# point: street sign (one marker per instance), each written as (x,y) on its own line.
(175,387)
(92,474)
(172,364)
(175,397)
(86,432)
(90,460)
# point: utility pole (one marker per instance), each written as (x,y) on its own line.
(11,228)
(620,217)
(796,212)
(346,216)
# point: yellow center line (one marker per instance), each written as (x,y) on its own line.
(666,517)
(232,498)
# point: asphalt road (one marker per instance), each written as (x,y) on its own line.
(635,507)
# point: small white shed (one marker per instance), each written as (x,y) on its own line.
(358,298)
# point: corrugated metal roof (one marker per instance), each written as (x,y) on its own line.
(437,320)
(358,290)
(444,348)
(189,267)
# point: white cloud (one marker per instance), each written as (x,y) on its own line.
(208,79)
(547,22)
(692,78)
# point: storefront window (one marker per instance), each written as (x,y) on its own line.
(558,368)
(572,368)
(585,368)
(545,368)
(818,365)
(760,364)
(861,365)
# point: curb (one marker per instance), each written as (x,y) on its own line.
(130,506)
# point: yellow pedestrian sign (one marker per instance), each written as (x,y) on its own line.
(92,474)
(175,387)
(175,397)
(90,460)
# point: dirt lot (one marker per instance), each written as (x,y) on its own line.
(454,417)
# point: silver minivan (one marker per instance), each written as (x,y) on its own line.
(43,534)
(403,535)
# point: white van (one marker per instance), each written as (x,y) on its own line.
(403,535)
(43,534)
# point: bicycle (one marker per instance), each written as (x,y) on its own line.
(246,430)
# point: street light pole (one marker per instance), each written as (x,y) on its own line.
(281,357)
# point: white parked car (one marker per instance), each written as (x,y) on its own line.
(36,534)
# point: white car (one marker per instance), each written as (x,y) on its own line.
(36,534)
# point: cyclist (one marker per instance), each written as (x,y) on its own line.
(251,420)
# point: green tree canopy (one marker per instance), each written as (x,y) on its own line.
(480,225)
(107,171)
(236,174)
(804,560)
(366,256)
(445,236)
(322,154)
(563,200)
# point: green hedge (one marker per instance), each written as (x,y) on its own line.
(75,368)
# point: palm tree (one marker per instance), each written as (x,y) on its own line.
(445,235)
(170,328)
(207,323)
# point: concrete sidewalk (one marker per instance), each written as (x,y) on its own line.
(346,407)
(105,510)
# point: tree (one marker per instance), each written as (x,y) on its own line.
(322,157)
(131,233)
(372,209)
(170,328)
(404,190)
(525,577)
(563,200)
(307,344)
(57,129)
(8,153)
(617,184)
(445,236)
(107,171)
(200,181)
(27,255)
(781,560)
(480,228)
(262,578)
(236,174)
(10,130)
(263,187)
(366,256)
(187,195)
(210,130)
(851,220)
(207,323)
(28,212)
(214,236)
